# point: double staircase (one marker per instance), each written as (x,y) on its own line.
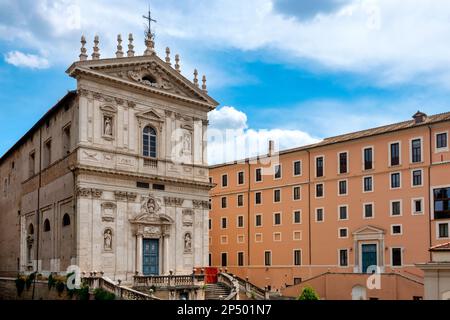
(217,291)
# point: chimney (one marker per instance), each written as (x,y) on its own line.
(271,147)
(419,117)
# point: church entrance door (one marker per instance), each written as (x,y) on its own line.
(150,257)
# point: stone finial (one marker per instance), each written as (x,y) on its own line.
(168,55)
(195,77)
(130,52)
(150,44)
(177,62)
(204,83)
(119,52)
(96,53)
(83,56)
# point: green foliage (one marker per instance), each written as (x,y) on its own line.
(29,280)
(308,293)
(101,294)
(51,281)
(60,286)
(83,293)
(20,284)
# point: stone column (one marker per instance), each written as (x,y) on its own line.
(139,239)
(356,257)
(166,254)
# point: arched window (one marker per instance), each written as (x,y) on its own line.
(46,225)
(30,229)
(66,220)
(149,142)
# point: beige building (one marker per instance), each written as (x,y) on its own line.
(437,273)
(114,177)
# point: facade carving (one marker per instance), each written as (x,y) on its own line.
(173,201)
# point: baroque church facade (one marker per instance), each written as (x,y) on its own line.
(114,177)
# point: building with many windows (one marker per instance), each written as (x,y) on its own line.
(378,197)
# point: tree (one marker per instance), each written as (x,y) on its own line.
(308,293)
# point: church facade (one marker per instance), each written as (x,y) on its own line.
(114,177)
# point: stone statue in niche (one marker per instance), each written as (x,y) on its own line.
(107,126)
(187,242)
(107,239)
(187,143)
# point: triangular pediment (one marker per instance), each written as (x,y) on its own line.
(368,230)
(150,115)
(146,72)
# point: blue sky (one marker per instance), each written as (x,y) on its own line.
(298,70)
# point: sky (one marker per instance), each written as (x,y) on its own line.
(295,71)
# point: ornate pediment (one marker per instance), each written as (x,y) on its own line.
(367,230)
(150,115)
(144,72)
(149,213)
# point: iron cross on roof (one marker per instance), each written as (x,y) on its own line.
(148,32)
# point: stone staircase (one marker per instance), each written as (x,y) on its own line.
(216,291)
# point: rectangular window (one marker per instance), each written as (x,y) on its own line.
(296,191)
(66,140)
(142,185)
(368,158)
(441,140)
(47,153)
(240,259)
(224,202)
(416,150)
(368,210)
(343,232)
(343,162)
(297,281)
(417,178)
(277,236)
(395,180)
(443,230)
(277,170)
(297,168)
(396,257)
(319,167)
(267,258)
(297,235)
(342,187)
(319,190)
(343,213)
(319,214)
(240,200)
(343,258)
(297,257)
(395,153)
(368,184)
(297,216)
(209,259)
(277,218)
(31,164)
(441,198)
(396,208)
(224,180)
(257,197)
(224,259)
(258,220)
(417,206)
(240,221)
(396,229)
(276,195)
(241,177)
(209,224)
(224,223)
(258,175)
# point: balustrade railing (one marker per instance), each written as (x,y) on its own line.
(168,281)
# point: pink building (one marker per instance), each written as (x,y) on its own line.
(378,197)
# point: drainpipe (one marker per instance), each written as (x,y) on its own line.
(248,216)
(309,208)
(429,189)
(38,212)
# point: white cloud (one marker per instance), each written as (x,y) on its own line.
(20,59)
(387,41)
(229,137)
